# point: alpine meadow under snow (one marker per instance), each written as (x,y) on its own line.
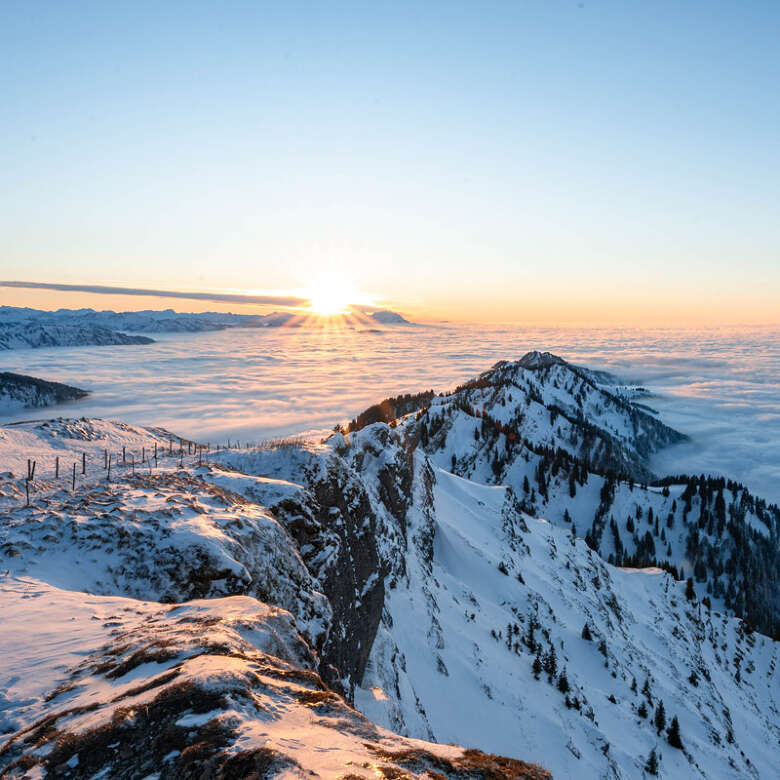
(496,568)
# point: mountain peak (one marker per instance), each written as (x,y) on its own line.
(535,360)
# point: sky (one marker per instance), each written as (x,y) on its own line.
(535,161)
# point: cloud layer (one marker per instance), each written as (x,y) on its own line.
(721,388)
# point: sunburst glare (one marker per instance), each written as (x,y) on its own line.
(332,296)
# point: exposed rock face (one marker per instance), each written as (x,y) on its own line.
(330,516)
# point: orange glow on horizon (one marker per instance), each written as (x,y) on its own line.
(588,309)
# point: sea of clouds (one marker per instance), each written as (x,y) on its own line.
(721,387)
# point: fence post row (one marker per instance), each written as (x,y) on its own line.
(193,448)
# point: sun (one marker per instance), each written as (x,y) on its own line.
(331,296)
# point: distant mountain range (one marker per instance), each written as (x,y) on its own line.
(25,327)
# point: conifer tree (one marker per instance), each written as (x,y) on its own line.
(673,734)
(660,717)
(586,633)
(551,662)
(651,767)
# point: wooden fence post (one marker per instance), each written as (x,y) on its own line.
(57,467)
(74,476)
(83,462)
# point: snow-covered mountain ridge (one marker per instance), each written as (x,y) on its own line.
(32,335)
(12,319)
(576,452)
(18,391)
(421,583)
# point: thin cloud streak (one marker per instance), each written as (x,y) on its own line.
(260,300)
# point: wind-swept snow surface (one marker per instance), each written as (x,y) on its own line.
(98,686)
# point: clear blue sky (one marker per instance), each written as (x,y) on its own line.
(484,159)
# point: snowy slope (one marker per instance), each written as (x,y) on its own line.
(26,335)
(229,683)
(452,661)
(84,443)
(452,554)
(576,452)
(541,403)
(219,688)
